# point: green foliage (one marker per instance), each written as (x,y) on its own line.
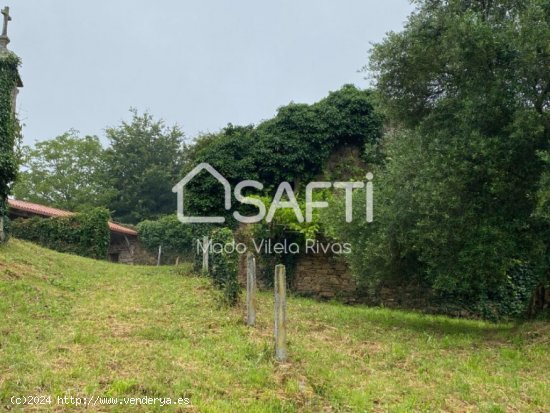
(229,151)
(85,234)
(144,162)
(543,196)
(284,228)
(284,220)
(8,128)
(176,238)
(465,85)
(294,146)
(66,172)
(224,266)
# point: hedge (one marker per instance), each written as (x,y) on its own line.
(84,234)
(176,238)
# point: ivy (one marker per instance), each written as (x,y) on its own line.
(224,266)
(84,234)
(8,128)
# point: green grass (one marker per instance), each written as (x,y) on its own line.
(74,326)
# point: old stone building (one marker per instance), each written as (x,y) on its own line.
(124,248)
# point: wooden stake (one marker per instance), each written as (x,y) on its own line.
(250,289)
(2,232)
(160,254)
(205,254)
(280,313)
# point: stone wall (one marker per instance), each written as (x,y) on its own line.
(327,276)
(324,276)
(128,250)
(321,276)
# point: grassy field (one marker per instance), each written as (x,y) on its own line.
(74,326)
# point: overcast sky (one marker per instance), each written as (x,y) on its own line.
(198,63)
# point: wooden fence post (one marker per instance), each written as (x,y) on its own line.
(280,313)
(160,254)
(2,232)
(250,289)
(205,245)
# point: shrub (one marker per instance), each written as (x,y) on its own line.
(85,234)
(176,238)
(224,266)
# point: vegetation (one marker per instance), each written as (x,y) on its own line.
(74,326)
(456,131)
(144,162)
(465,86)
(294,146)
(8,133)
(176,238)
(67,172)
(85,234)
(224,265)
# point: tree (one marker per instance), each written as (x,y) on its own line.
(64,172)
(143,163)
(466,87)
(293,146)
(543,196)
(229,152)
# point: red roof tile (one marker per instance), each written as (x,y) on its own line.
(46,211)
(114,227)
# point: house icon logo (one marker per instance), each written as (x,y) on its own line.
(284,191)
(179,189)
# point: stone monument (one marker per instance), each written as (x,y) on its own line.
(4,39)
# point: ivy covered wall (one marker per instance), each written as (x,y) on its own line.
(85,234)
(9,80)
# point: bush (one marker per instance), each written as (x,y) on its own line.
(84,234)
(224,266)
(176,238)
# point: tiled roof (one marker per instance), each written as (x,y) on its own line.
(46,211)
(114,227)
(37,209)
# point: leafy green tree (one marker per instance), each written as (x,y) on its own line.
(230,152)
(64,172)
(543,196)
(143,163)
(293,146)
(466,88)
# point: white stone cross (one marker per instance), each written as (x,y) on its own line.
(7,18)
